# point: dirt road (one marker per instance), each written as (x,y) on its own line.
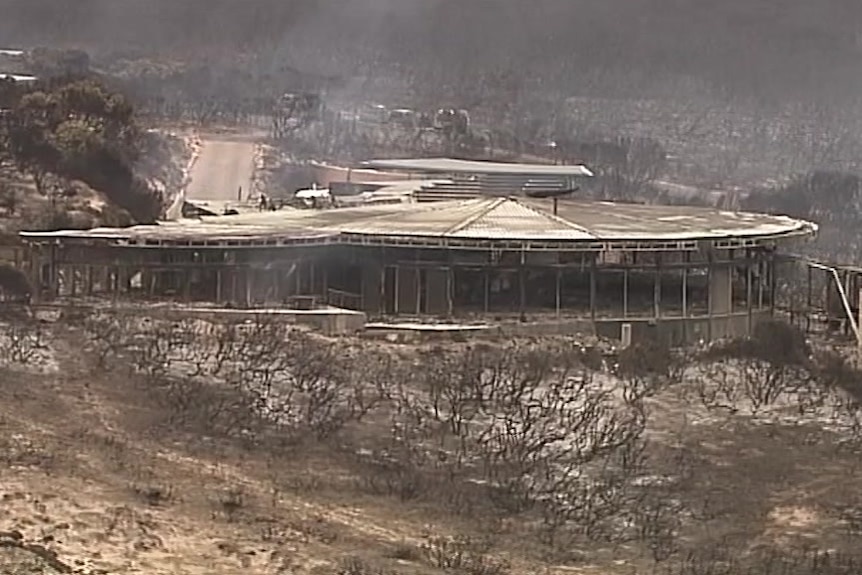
(224,166)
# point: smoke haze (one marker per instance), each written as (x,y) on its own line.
(765,48)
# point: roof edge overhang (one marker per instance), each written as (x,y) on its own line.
(477,167)
(428,241)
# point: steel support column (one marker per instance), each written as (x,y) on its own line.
(761,272)
(396,289)
(709,298)
(593,290)
(773,287)
(234,296)
(625,293)
(685,293)
(522,289)
(809,298)
(187,284)
(418,291)
(487,294)
(657,288)
(557,294)
(749,291)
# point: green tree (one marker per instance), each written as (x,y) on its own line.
(79,130)
(30,126)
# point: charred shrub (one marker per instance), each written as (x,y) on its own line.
(774,341)
(647,367)
(835,371)
(462,554)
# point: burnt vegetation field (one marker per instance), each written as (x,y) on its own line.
(74,154)
(170,445)
(133,443)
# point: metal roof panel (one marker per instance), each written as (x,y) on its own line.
(492,219)
(451,166)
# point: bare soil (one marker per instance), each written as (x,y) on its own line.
(90,471)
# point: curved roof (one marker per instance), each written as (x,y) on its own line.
(484,223)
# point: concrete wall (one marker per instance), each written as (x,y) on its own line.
(549,328)
(331,321)
(720,290)
(736,325)
(679,331)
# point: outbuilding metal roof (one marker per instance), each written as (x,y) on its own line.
(450,166)
(17,77)
(486,223)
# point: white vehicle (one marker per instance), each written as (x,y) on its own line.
(314,197)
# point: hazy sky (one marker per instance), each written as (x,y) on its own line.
(784,46)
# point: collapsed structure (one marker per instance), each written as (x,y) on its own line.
(685,273)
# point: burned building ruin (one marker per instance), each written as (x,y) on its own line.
(691,273)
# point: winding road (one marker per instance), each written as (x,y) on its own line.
(223,167)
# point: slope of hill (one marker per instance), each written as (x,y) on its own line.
(117,464)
